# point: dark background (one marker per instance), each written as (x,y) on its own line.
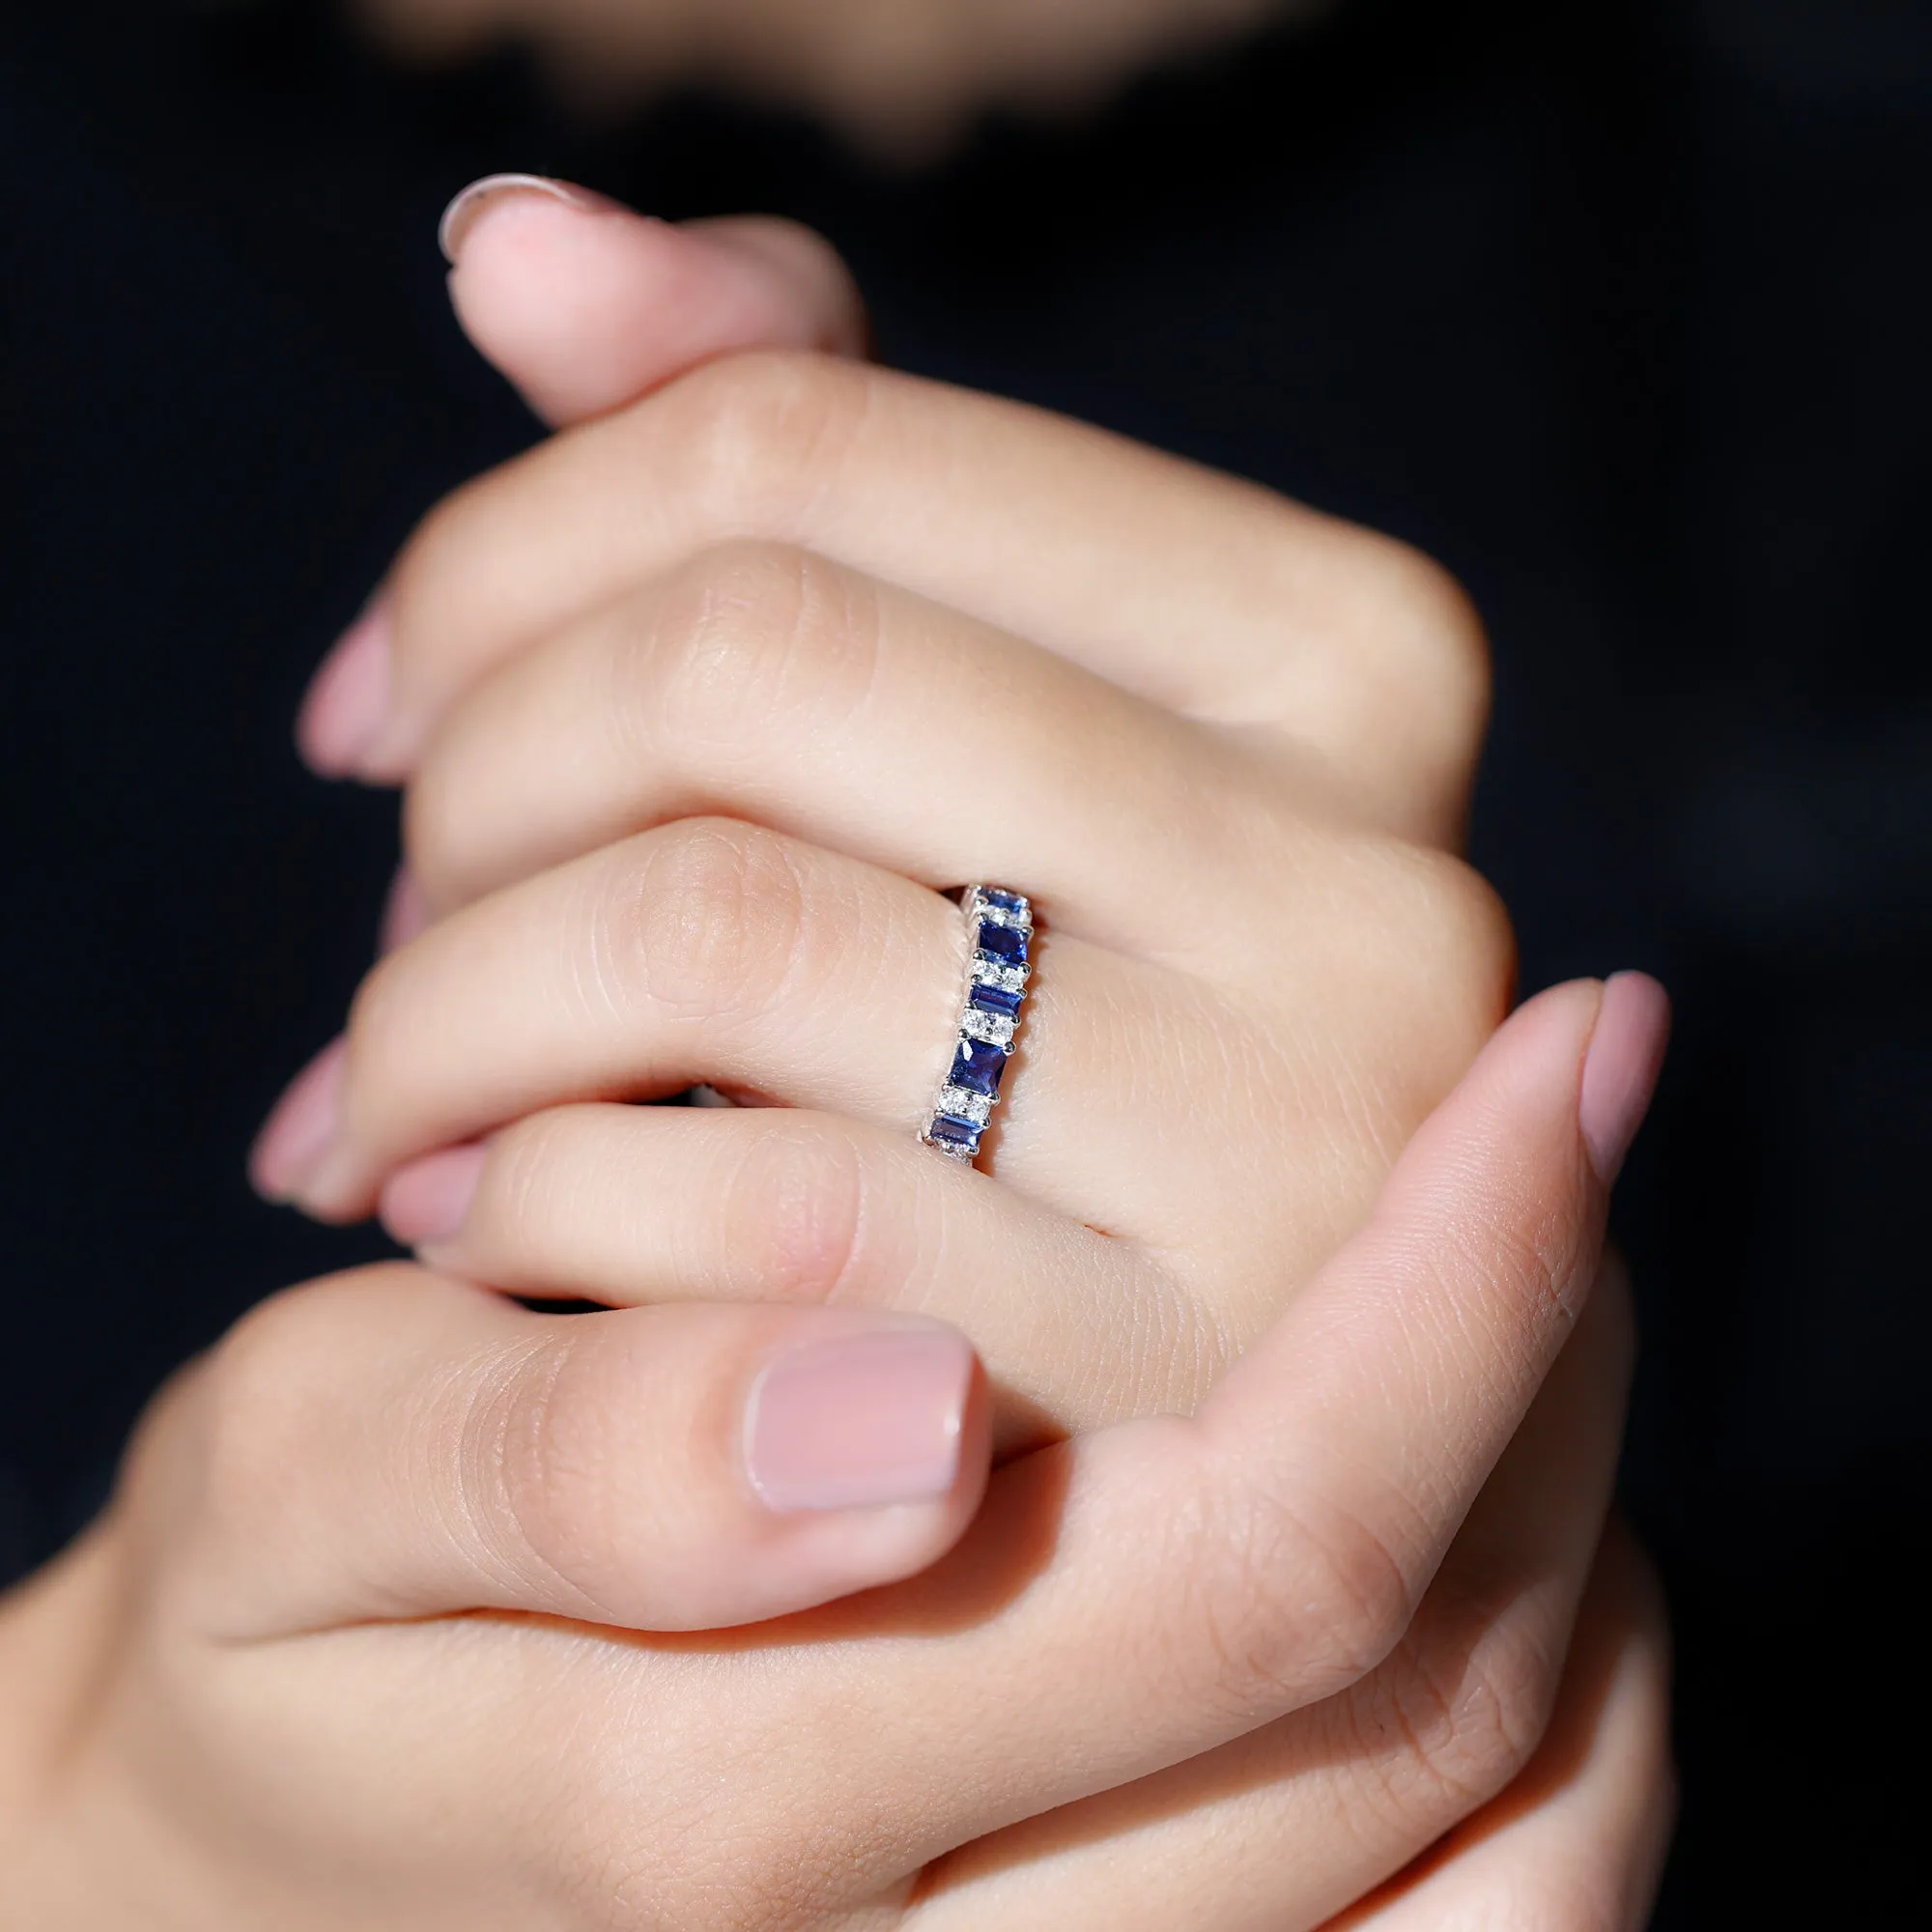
(1623,310)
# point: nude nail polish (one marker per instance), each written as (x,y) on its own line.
(348,697)
(429,1200)
(1620,1069)
(461,214)
(301,1125)
(860,1421)
(405,912)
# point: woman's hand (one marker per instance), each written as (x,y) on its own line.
(1583,1846)
(356,1645)
(701,699)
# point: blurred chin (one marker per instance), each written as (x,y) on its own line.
(899,76)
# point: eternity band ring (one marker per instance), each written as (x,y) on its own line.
(999,935)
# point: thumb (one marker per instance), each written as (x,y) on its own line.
(584,305)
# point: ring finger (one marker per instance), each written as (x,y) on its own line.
(769,684)
(715,951)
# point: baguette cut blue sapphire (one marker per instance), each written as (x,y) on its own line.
(999,927)
(949,1130)
(1007,944)
(997,999)
(977,1066)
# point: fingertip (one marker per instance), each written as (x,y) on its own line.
(868,1419)
(815,302)
(343,710)
(586,305)
(300,1127)
(470,204)
(867,1450)
(1621,1068)
(427,1201)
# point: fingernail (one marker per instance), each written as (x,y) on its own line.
(860,1422)
(427,1200)
(1621,1068)
(299,1131)
(405,912)
(460,217)
(348,696)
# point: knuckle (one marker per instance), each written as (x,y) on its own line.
(748,638)
(1296,1609)
(1411,662)
(534,1477)
(246,1403)
(757,434)
(795,1198)
(1456,1712)
(1432,951)
(262,1385)
(1433,639)
(1469,945)
(709,925)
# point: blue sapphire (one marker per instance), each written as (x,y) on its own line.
(996,1000)
(949,1130)
(1006,901)
(977,1066)
(1005,942)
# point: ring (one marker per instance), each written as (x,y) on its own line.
(999,932)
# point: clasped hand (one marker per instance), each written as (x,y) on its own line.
(1225,1469)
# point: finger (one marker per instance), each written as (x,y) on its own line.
(1363,1782)
(765,683)
(1195,1580)
(1580,1840)
(396,1444)
(706,952)
(633,1205)
(714,952)
(1100,550)
(584,305)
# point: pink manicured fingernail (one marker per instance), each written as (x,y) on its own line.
(460,217)
(405,912)
(1621,1068)
(348,696)
(860,1422)
(427,1200)
(297,1132)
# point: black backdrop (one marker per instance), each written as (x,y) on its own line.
(1621,309)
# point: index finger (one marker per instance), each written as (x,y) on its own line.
(1202,592)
